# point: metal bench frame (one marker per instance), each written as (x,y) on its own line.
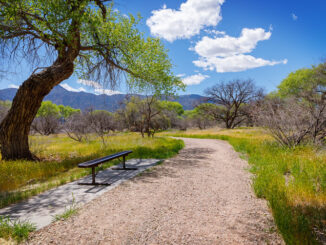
(94,163)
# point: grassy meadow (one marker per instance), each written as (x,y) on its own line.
(293,181)
(60,156)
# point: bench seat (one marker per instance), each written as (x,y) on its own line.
(94,163)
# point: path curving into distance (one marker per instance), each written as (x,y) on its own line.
(201,196)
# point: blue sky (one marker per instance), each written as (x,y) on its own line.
(210,41)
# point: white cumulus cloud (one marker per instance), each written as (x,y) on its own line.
(98,88)
(90,83)
(106,91)
(187,21)
(231,54)
(13,86)
(234,63)
(194,79)
(227,46)
(71,89)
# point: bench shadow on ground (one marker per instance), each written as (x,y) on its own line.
(187,158)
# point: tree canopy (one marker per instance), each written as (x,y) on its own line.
(104,41)
(303,81)
(87,37)
(172,106)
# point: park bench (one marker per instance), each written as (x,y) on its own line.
(94,163)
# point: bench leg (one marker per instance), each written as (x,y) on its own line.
(124,165)
(93,175)
(124,162)
(93,180)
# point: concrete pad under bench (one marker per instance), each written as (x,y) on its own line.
(41,209)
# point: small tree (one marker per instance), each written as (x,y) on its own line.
(171,114)
(47,119)
(204,114)
(230,99)
(101,122)
(140,113)
(131,115)
(308,88)
(67,111)
(287,120)
(150,109)
(77,127)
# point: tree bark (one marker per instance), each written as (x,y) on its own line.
(15,127)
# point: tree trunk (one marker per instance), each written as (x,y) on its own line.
(15,127)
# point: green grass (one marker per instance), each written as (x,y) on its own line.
(69,211)
(16,230)
(60,155)
(293,181)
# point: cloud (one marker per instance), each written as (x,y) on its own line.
(13,86)
(90,83)
(106,91)
(231,54)
(294,17)
(234,63)
(215,33)
(187,21)
(181,75)
(194,79)
(226,46)
(98,88)
(71,89)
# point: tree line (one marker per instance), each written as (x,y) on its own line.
(294,114)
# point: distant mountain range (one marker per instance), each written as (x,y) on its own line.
(83,100)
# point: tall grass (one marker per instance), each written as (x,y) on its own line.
(293,181)
(60,156)
(15,229)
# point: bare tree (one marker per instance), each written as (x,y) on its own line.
(182,123)
(140,114)
(287,120)
(315,99)
(46,125)
(101,122)
(77,127)
(149,109)
(230,98)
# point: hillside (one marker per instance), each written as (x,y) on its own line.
(82,100)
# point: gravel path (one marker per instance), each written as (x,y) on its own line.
(201,196)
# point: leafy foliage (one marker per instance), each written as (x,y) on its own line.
(104,41)
(296,113)
(67,111)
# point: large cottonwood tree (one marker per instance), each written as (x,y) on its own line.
(88,37)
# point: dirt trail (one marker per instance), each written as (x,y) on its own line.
(201,196)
